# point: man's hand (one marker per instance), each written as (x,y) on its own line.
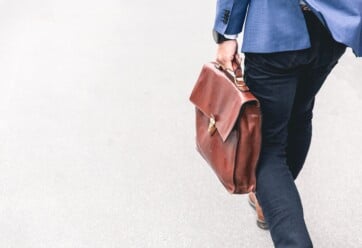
(227,51)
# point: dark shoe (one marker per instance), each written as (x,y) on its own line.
(260,220)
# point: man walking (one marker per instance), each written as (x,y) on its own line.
(289,52)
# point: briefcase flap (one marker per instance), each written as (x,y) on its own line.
(216,96)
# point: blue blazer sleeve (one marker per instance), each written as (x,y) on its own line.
(230,16)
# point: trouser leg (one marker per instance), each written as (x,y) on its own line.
(323,56)
(274,80)
(300,124)
(299,138)
(286,84)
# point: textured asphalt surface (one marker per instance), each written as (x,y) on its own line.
(97,134)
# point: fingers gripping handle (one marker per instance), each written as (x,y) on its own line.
(235,74)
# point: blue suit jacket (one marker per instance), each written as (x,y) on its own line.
(279,25)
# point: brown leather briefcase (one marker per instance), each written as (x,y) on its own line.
(228,126)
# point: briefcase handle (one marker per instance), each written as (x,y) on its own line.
(235,75)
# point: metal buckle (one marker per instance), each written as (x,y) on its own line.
(212,125)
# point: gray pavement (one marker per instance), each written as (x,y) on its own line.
(97,133)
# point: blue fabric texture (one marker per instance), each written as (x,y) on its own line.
(343,19)
(278,25)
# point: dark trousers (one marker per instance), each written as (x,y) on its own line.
(286,84)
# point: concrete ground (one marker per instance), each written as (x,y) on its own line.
(97,134)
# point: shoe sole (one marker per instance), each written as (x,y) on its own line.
(262,224)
